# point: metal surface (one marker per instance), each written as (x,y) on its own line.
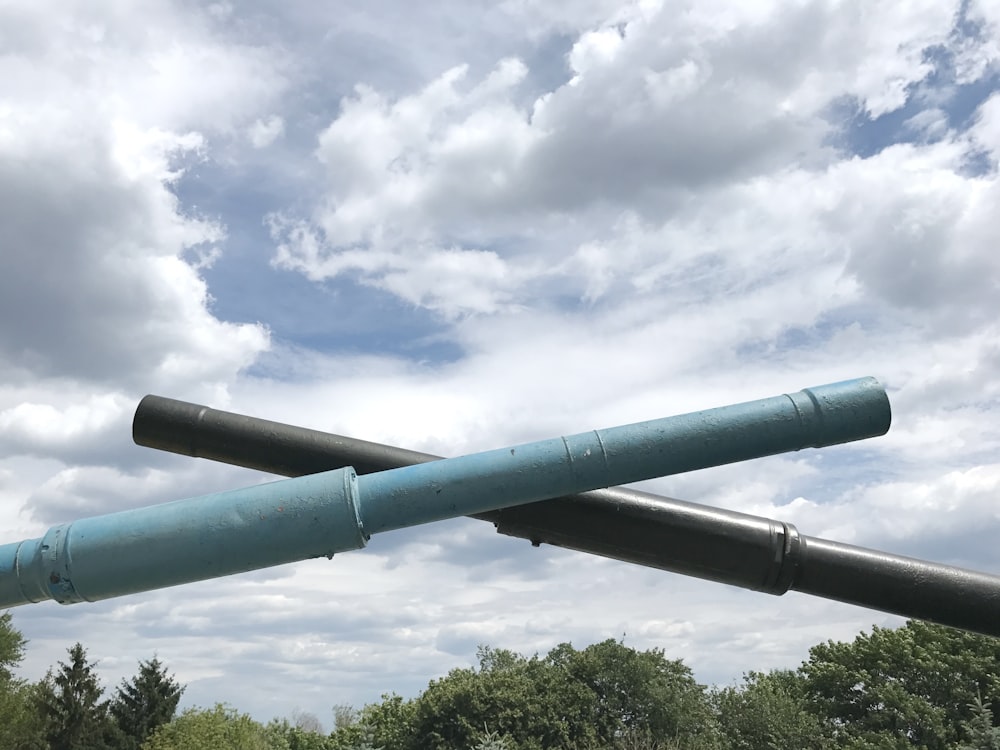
(682,537)
(321,514)
(624,524)
(184,541)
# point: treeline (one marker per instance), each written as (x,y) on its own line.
(66,710)
(918,686)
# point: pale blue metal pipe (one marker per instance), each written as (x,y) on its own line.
(321,514)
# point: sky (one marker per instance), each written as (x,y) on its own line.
(455,226)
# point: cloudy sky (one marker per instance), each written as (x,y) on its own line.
(454,226)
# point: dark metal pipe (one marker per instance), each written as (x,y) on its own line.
(697,540)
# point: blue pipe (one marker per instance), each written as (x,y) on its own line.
(321,514)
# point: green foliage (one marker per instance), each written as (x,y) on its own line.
(367,740)
(491,741)
(12,645)
(911,687)
(768,712)
(916,686)
(218,728)
(388,724)
(391,721)
(345,715)
(979,728)
(297,737)
(569,699)
(528,700)
(20,725)
(908,687)
(145,702)
(639,692)
(71,709)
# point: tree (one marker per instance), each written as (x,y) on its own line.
(982,734)
(145,702)
(640,694)
(529,701)
(307,722)
(344,715)
(607,695)
(390,721)
(12,645)
(908,687)
(491,741)
(768,712)
(367,740)
(218,728)
(71,707)
(295,737)
(20,727)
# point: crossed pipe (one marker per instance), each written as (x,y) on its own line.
(331,507)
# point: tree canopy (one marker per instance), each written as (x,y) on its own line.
(589,698)
(906,687)
(918,686)
(219,728)
(768,711)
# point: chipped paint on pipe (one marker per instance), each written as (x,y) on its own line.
(321,514)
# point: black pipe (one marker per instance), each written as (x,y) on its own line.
(696,540)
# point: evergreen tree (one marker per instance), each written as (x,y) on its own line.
(982,734)
(491,741)
(145,702)
(70,703)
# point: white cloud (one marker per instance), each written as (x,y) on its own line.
(265,132)
(929,124)
(978,56)
(87,174)
(986,131)
(594,49)
(660,103)
(951,514)
(451,281)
